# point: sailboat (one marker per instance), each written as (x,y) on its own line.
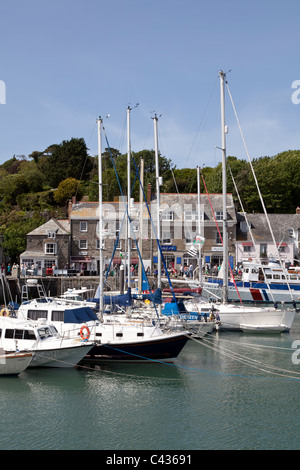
(120,339)
(238,316)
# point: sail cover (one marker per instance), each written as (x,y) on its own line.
(79,315)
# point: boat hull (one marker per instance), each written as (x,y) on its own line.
(254,292)
(234,316)
(15,363)
(165,349)
(60,358)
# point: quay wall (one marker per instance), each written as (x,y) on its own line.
(57,285)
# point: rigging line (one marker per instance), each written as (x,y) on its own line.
(202,119)
(249,228)
(128,215)
(89,368)
(261,198)
(256,346)
(254,363)
(231,273)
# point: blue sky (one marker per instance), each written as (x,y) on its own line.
(66,62)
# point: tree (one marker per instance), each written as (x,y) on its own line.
(66,189)
(67,160)
(15,230)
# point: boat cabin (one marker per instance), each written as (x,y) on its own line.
(270,273)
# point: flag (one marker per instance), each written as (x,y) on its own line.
(200,240)
(192,253)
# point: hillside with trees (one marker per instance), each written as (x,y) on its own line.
(39,186)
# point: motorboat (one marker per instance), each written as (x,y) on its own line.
(49,348)
(14,363)
(259,283)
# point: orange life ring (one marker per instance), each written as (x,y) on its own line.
(85,336)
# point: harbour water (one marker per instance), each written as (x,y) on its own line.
(229,391)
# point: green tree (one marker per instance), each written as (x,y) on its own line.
(66,160)
(15,230)
(66,189)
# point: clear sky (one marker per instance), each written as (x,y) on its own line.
(65,62)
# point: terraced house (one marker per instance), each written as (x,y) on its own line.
(75,242)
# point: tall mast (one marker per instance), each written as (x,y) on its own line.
(101,284)
(225,234)
(128,202)
(155,119)
(199,224)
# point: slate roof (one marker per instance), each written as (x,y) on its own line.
(280,224)
(61,227)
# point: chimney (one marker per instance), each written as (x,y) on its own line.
(70,205)
(298,210)
(149,194)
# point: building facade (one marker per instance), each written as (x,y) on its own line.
(47,248)
(179,217)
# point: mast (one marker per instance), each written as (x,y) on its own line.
(222,76)
(140,268)
(128,204)
(199,224)
(155,119)
(101,284)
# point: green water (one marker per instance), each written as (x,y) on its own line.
(231,391)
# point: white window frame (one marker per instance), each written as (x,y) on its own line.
(167,215)
(49,250)
(83,226)
(191,216)
(83,244)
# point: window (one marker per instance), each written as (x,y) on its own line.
(118,234)
(167,215)
(83,244)
(48,263)
(263,250)
(219,215)
(57,315)
(50,248)
(83,226)
(166,237)
(18,334)
(190,216)
(36,314)
(51,234)
(247,249)
(219,237)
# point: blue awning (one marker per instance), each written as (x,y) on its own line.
(79,315)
